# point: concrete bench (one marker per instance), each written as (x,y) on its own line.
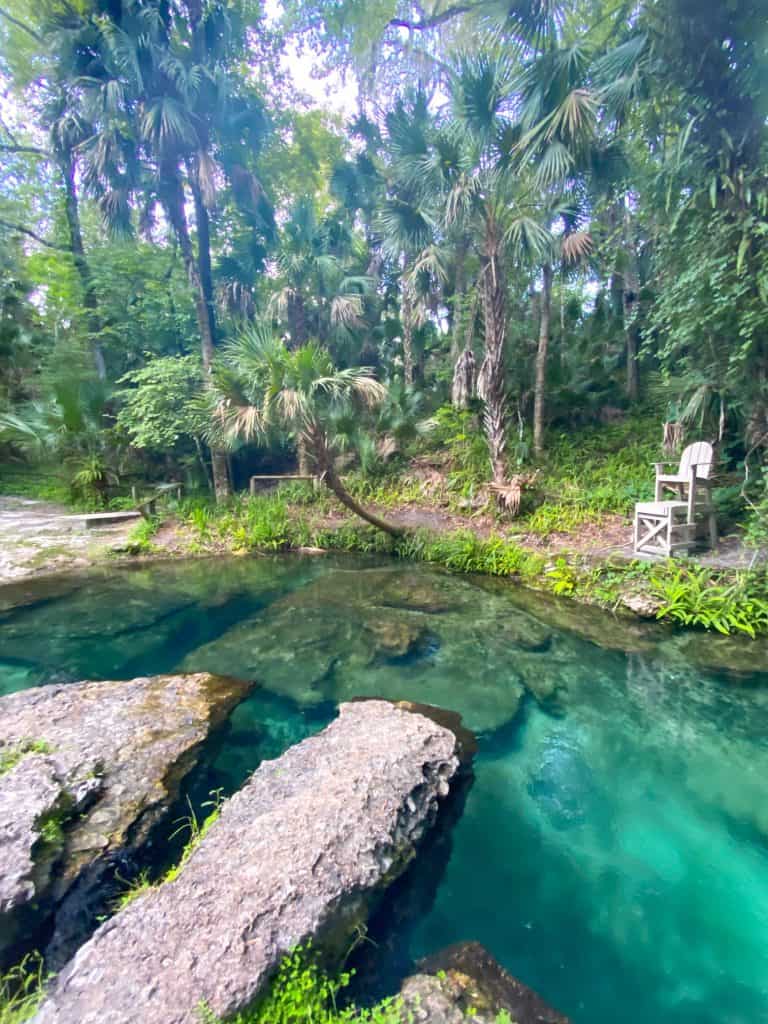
(92,520)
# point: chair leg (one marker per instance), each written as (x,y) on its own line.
(712,528)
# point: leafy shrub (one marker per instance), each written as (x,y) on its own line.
(696,597)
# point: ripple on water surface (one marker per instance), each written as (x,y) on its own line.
(613,849)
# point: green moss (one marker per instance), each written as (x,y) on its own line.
(10,756)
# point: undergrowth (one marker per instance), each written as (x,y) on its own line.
(21,990)
(729,602)
(197,832)
(139,540)
(302,993)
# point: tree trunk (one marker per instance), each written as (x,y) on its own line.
(631,310)
(317,444)
(333,482)
(491,383)
(297,320)
(457,306)
(174,203)
(301,452)
(72,213)
(540,383)
(406,316)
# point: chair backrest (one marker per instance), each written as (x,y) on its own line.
(700,455)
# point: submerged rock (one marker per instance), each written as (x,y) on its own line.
(297,853)
(465,985)
(90,769)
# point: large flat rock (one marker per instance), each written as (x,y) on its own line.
(297,853)
(93,766)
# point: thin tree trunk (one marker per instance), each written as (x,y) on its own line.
(406,315)
(631,309)
(540,383)
(491,383)
(457,306)
(72,213)
(174,202)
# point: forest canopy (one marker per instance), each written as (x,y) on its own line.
(551,214)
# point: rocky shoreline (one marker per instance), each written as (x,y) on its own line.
(90,768)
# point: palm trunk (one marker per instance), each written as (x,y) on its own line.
(301,451)
(323,458)
(406,315)
(174,203)
(540,384)
(491,384)
(297,320)
(333,482)
(72,213)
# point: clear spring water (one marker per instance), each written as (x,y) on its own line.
(612,851)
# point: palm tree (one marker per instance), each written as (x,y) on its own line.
(263,385)
(172,123)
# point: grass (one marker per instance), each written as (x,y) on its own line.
(21,990)
(139,539)
(197,832)
(10,756)
(302,993)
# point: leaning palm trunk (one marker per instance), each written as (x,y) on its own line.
(490,383)
(323,458)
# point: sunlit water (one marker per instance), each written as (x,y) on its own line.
(612,851)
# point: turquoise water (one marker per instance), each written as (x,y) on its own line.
(612,851)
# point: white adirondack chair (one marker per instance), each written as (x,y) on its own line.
(663,526)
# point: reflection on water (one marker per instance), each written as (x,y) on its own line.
(613,849)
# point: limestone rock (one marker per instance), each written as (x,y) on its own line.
(465,985)
(644,605)
(296,853)
(99,763)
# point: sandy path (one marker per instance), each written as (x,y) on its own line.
(34,537)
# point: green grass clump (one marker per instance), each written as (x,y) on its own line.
(139,540)
(21,990)
(197,832)
(302,993)
(10,756)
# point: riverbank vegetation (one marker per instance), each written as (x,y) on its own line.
(532,263)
